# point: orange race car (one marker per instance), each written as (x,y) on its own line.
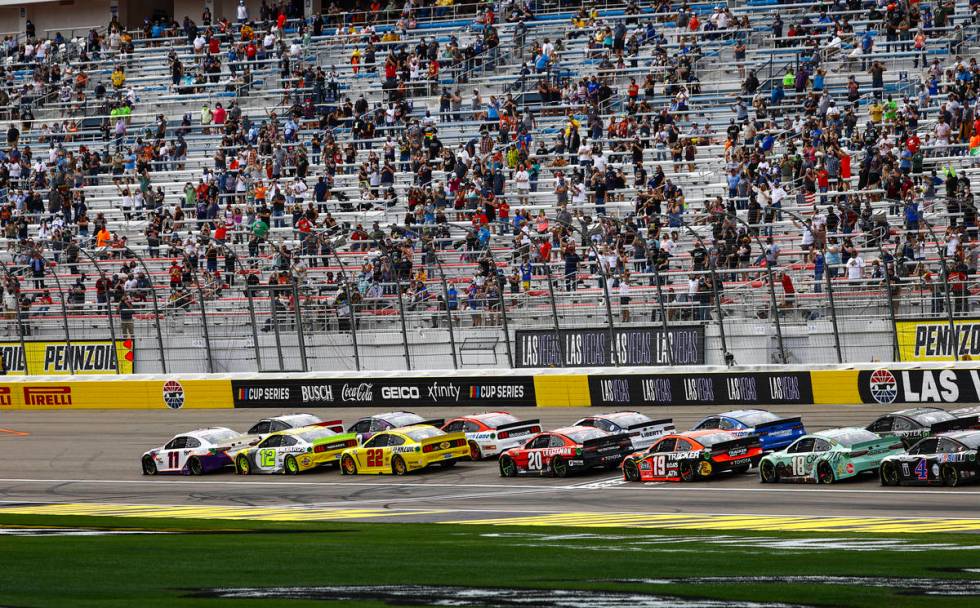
(693,455)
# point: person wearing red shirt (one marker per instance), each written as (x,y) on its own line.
(219,115)
(214,45)
(913,143)
(503,214)
(845,167)
(789,291)
(545,250)
(281,20)
(634,89)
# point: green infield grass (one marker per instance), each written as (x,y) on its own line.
(47,562)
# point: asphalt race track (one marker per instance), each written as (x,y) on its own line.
(94,457)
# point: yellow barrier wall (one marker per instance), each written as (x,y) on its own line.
(835,387)
(116,394)
(562,391)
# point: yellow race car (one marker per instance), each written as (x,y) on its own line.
(295,450)
(405,449)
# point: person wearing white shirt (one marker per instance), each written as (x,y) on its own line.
(242,12)
(522,180)
(855,268)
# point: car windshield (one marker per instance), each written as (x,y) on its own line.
(495,420)
(586,433)
(930,418)
(848,437)
(424,433)
(755,418)
(315,433)
(403,419)
(218,436)
(710,440)
(627,420)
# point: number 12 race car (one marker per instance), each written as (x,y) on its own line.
(828,456)
(564,451)
(693,455)
(950,459)
(295,450)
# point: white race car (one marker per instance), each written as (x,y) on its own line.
(492,433)
(369,425)
(194,453)
(642,429)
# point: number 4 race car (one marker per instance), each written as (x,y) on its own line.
(642,430)
(194,453)
(828,456)
(492,433)
(949,459)
(406,449)
(693,455)
(296,450)
(564,451)
(774,433)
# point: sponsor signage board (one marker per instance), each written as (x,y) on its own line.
(750,388)
(85,357)
(933,340)
(937,386)
(115,394)
(409,392)
(592,347)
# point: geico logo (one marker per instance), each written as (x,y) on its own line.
(400,392)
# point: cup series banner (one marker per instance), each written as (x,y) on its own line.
(392,393)
(933,340)
(751,388)
(592,347)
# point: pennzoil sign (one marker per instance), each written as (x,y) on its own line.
(80,357)
(935,340)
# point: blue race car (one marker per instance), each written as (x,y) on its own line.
(774,433)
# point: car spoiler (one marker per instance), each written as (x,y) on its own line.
(724,446)
(766,426)
(336,426)
(519,423)
(666,425)
(888,442)
(956,424)
(608,440)
(436,422)
(446,437)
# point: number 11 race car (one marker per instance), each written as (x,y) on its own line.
(194,453)
(564,451)
(693,455)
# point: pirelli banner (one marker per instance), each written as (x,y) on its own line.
(116,394)
(934,340)
(81,357)
(594,347)
(392,393)
(727,388)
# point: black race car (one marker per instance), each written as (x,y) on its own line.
(915,423)
(949,459)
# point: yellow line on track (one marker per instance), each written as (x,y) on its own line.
(208,512)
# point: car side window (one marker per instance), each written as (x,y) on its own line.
(948,446)
(260,428)
(802,446)
(271,442)
(176,443)
(378,441)
(362,426)
(288,440)
(541,441)
(882,424)
(667,445)
(726,425)
(454,427)
(926,446)
(902,424)
(556,442)
(377,424)
(278,425)
(192,442)
(683,445)
(395,440)
(821,445)
(708,423)
(471,427)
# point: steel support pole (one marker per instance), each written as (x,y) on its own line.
(350,307)
(112,323)
(953,342)
(298,315)
(833,312)
(204,321)
(554,315)
(20,321)
(896,353)
(255,331)
(449,315)
(663,315)
(156,310)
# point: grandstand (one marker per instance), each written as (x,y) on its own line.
(412,185)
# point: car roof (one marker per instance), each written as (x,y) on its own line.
(614,415)
(483,415)
(296,430)
(834,433)
(198,433)
(696,434)
(915,411)
(412,427)
(290,417)
(571,429)
(387,415)
(736,414)
(957,435)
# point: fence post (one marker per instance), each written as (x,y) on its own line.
(896,353)
(156,309)
(112,323)
(401,311)
(353,325)
(663,314)
(503,317)
(298,315)
(64,322)
(833,312)
(449,315)
(20,321)
(949,304)
(554,315)
(721,319)
(775,313)
(274,325)
(255,332)
(204,320)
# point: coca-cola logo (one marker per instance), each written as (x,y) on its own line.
(357,392)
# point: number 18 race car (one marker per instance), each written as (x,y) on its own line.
(828,456)
(405,449)
(563,451)
(950,459)
(693,455)
(295,450)
(194,453)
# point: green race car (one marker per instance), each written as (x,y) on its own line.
(828,456)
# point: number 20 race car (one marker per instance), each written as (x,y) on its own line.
(950,459)
(693,455)
(565,451)
(492,433)
(828,456)
(295,450)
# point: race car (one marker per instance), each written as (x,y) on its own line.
(828,456)
(693,455)
(369,425)
(774,433)
(642,429)
(405,449)
(261,429)
(950,459)
(294,450)
(492,433)
(565,451)
(194,453)
(915,423)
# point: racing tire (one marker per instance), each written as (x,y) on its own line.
(398,466)
(475,452)
(767,472)
(149,467)
(950,476)
(242,465)
(194,467)
(825,474)
(631,472)
(889,474)
(448,465)
(686,471)
(559,468)
(348,466)
(507,467)
(290,466)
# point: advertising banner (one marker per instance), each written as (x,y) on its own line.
(395,393)
(592,347)
(114,394)
(932,340)
(745,389)
(938,386)
(60,358)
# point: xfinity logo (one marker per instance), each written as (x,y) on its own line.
(443,391)
(400,392)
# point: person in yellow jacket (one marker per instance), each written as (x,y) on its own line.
(118,77)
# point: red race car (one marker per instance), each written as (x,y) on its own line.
(693,455)
(564,451)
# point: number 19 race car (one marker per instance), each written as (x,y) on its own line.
(194,453)
(828,456)
(492,433)
(693,455)
(405,449)
(950,459)
(295,450)
(642,430)
(564,451)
